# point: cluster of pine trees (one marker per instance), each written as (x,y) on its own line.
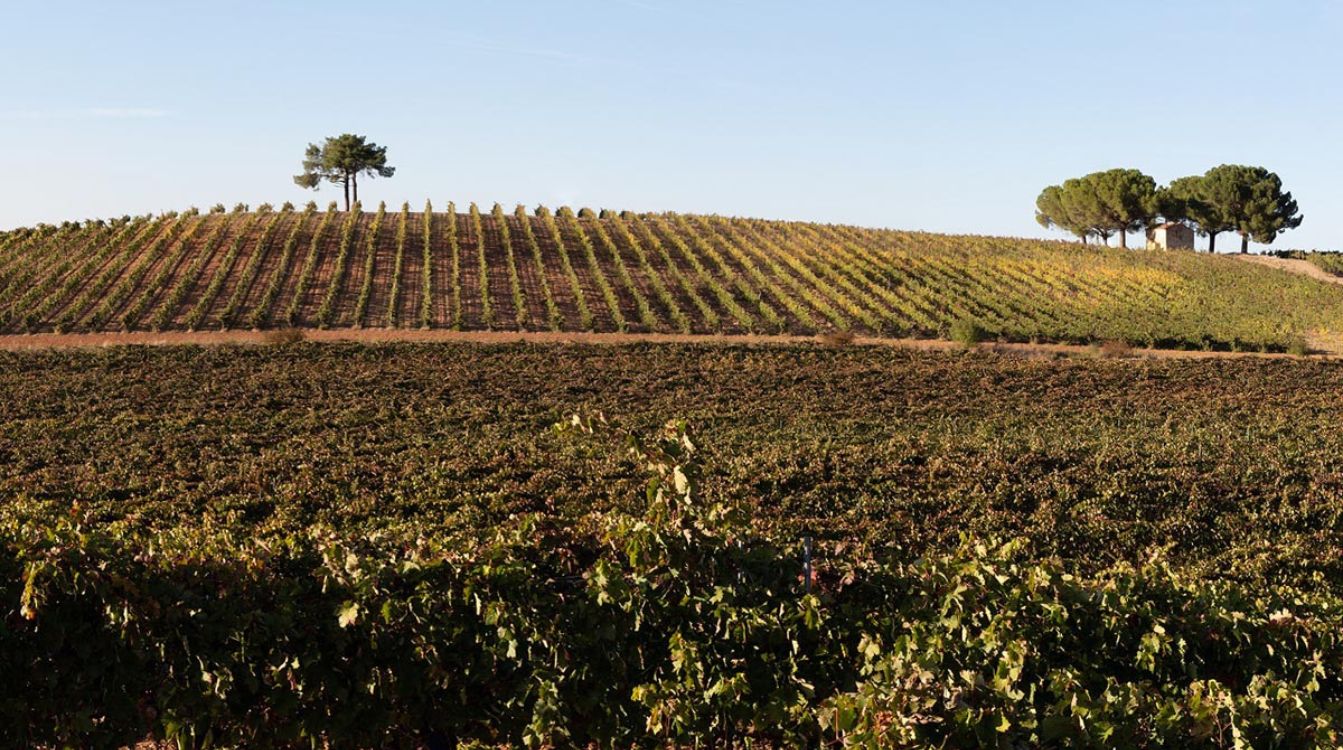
(1246,200)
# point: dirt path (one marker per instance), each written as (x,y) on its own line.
(390,335)
(1293,265)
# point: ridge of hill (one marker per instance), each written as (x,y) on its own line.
(625,272)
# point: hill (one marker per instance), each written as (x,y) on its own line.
(560,271)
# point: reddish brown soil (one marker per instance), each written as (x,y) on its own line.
(501,287)
(375,315)
(408,306)
(270,265)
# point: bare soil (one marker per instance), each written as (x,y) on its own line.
(1293,265)
(392,335)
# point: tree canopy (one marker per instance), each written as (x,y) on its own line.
(1052,211)
(1116,201)
(342,159)
(1187,200)
(1230,198)
(1253,202)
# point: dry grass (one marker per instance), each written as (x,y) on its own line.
(836,339)
(1116,350)
(283,336)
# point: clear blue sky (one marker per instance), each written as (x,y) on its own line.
(946,116)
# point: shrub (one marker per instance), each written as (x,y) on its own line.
(968,332)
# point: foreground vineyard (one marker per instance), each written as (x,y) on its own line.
(1229,465)
(392,546)
(567,271)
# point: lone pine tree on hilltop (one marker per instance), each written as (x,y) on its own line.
(342,159)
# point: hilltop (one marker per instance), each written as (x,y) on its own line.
(566,271)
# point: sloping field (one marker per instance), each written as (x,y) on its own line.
(622,272)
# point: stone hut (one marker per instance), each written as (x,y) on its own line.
(1170,236)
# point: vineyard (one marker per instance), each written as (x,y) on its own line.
(351,546)
(563,270)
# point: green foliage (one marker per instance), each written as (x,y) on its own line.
(482,268)
(1186,200)
(61,275)
(575,228)
(294,308)
(161,285)
(347,235)
(520,310)
(455,282)
(678,624)
(1329,261)
(394,295)
(981,649)
(554,319)
(593,228)
(585,318)
(968,332)
(719,285)
(222,272)
(187,278)
(370,258)
(100,297)
(665,273)
(427,267)
(1237,198)
(680,321)
(1116,201)
(342,159)
(261,312)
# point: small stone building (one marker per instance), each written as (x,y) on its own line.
(1170,236)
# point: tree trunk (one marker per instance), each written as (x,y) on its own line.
(1212,242)
(347,193)
(356,187)
(1244,244)
(1123,239)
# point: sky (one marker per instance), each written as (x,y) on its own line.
(945,116)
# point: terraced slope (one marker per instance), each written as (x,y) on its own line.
(561,271)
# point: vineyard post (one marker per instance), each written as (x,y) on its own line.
(806,564)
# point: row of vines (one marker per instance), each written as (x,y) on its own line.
(624,272)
